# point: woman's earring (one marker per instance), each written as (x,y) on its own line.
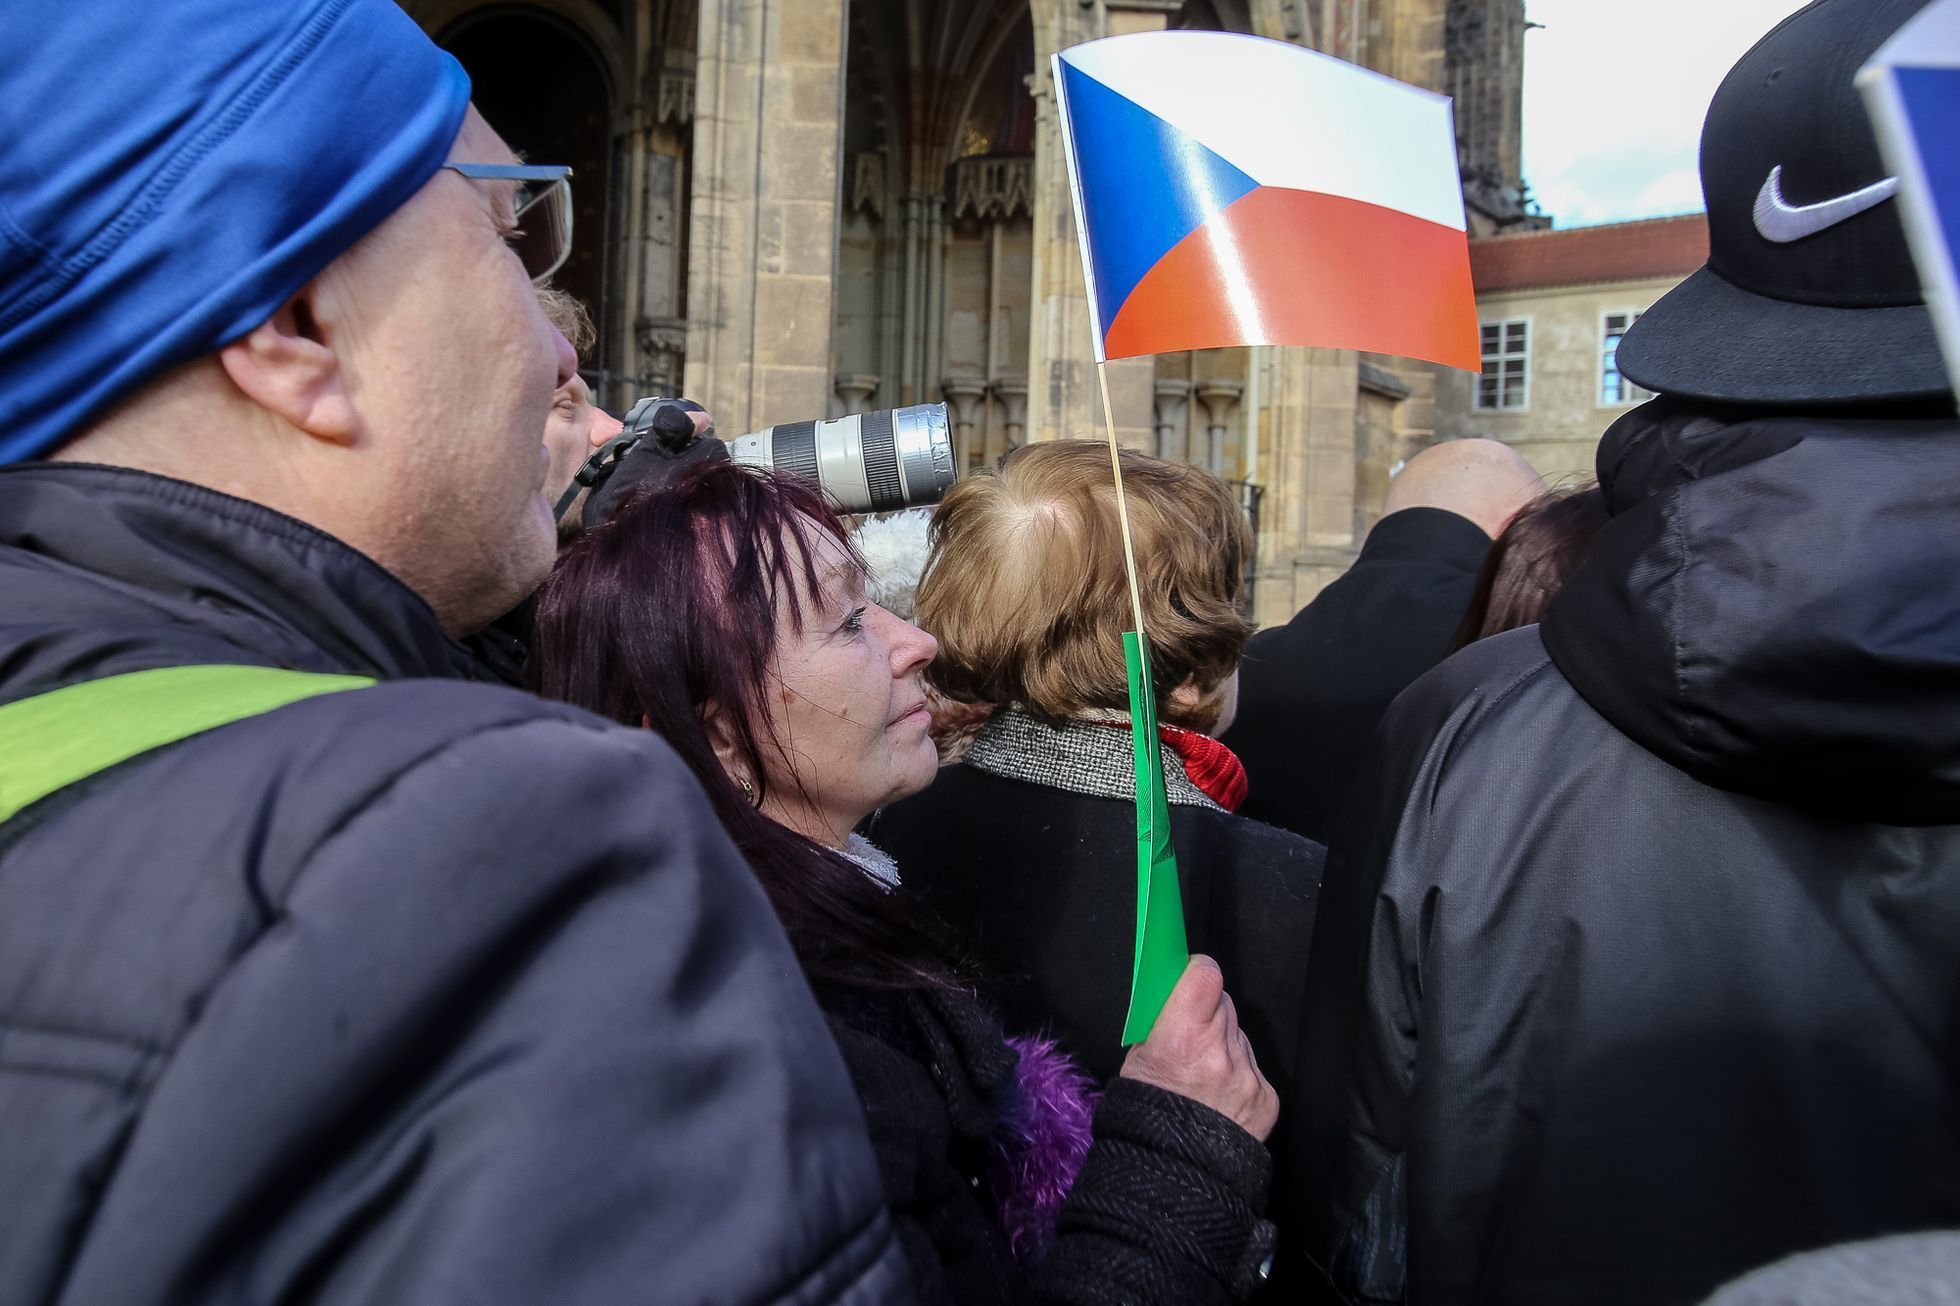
(748,790)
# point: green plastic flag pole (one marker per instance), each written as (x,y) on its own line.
(1161,952)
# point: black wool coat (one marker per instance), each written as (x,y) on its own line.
(425,992)
(1038,884)
(1311,692)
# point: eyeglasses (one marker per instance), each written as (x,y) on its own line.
(543,239)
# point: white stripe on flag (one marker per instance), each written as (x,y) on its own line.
(1291,117)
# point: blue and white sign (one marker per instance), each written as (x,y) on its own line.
(1912,90)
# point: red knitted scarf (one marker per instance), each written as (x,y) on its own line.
(1212,767)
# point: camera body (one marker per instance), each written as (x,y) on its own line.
(878,461)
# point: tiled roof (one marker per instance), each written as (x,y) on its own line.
(1578,256)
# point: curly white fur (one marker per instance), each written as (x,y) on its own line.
(894,548)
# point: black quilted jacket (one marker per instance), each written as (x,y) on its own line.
(430,992)
(1637,968)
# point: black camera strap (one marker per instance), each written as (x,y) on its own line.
(657,440)
(595,470)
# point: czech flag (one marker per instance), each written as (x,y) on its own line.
(1231,190)
(1912,88)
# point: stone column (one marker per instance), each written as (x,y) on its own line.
(1286,20)
(1411,385)
(1219,399)
(1170,395)
(935,287)
(1012,392)
(768,132)
(854,390)
(651,249)
(1305,405)
(963,396)
(661,343)
(911,326)
(1406,41)
(1063,401)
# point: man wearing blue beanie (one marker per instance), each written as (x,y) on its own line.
(331,969)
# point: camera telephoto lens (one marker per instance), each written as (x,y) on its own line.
(868,462)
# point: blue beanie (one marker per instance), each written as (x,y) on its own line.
(174,172)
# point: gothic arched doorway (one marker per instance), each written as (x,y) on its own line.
(934,271)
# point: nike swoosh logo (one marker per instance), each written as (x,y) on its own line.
(1781,221)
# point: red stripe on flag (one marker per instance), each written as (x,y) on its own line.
(1293,267)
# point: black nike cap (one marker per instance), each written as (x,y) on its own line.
(1809,294)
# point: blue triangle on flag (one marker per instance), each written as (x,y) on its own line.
(1145,185)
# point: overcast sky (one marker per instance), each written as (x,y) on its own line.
(1614,95)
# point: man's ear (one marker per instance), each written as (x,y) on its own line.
(287,365)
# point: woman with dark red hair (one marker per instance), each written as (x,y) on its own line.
(726,611)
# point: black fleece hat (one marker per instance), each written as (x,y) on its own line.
(1809,294)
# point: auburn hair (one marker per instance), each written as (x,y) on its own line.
(1531,560)
(670,610)
(1025,590)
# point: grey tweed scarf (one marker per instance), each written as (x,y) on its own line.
(1079,757)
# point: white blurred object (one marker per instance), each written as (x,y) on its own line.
(894,548)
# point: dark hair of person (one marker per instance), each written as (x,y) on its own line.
(1531,561)
(668,611)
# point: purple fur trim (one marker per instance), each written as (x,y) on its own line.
(1040,1142)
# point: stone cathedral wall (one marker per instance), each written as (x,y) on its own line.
(800,208)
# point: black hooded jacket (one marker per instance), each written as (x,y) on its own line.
(1636,966)
(427,992)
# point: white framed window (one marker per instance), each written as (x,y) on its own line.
(1615,390)
(1506,379)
